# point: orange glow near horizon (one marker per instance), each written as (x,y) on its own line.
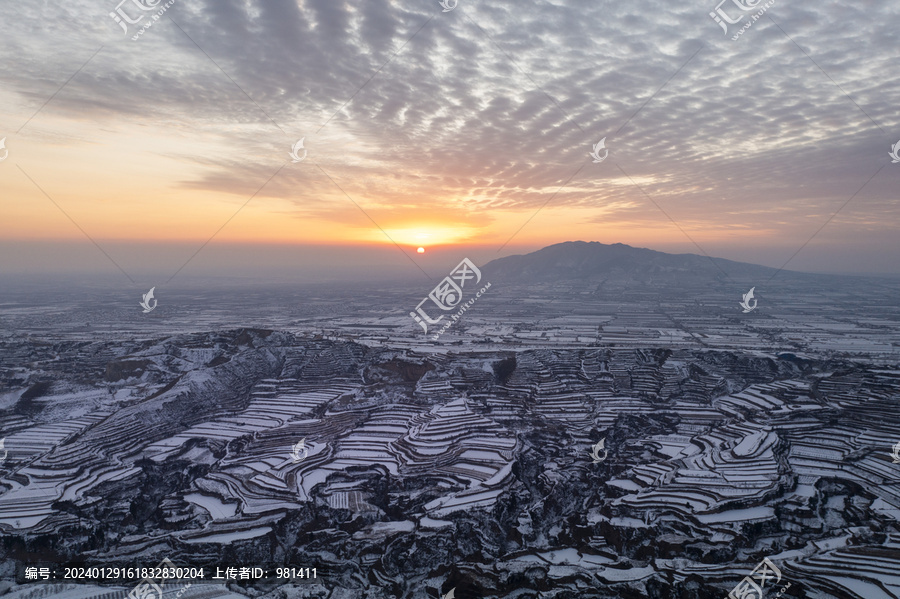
(422,235)
(193,216)
(159,196)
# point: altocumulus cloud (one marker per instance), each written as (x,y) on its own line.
(496,104)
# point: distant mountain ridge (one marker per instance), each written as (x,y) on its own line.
(595,261)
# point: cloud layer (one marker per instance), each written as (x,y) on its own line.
(478,117)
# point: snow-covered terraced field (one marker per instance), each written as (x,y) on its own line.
(363,459)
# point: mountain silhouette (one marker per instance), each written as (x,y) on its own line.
(595,261)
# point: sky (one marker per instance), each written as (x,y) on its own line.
(465,132)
